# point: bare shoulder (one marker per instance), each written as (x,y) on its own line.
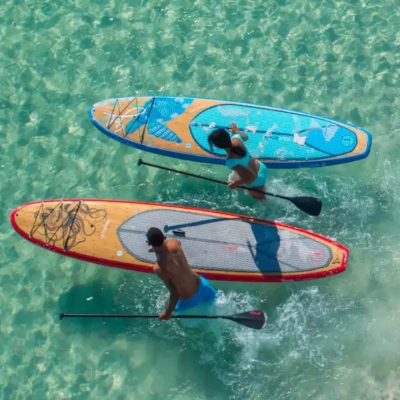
(238,143)
(174,245)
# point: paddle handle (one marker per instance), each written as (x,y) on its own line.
(141,162)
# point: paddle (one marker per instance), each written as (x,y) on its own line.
(310,205)
(251,319)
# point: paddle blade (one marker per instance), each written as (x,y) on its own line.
(251,319)
(310,205)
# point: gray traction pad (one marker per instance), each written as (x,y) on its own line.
(216,243)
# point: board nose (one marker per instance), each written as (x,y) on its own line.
(12,216)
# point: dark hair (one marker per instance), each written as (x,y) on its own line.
(155,237)
(222,139)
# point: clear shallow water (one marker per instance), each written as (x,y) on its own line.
(330,339)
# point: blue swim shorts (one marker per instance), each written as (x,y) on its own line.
(206,294)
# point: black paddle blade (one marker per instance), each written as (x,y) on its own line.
(310,205)
(251,319)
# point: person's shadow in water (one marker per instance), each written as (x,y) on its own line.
(265,249)
(94,298)
(101,298)
(262,250)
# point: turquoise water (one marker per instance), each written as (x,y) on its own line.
(336,338)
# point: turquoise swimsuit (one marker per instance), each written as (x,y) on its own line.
(244,161)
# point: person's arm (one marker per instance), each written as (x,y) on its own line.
(173,294)
(173,301)
(245,175)
(234,128)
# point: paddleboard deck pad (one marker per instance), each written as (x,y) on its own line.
(179,127)
(218,245)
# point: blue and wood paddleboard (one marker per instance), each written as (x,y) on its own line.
(179,127)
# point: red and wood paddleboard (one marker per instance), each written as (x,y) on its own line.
(218,245)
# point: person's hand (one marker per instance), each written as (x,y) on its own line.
(164,316)
(151,250)
(234,128)
(232,185)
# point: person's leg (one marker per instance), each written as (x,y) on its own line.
(259,183)
(257,195)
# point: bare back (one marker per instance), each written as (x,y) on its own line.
(173,268)
(251,171)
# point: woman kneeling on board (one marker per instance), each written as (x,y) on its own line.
(250,172)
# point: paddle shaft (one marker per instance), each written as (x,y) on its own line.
(138,316)
(251,319)
(141,162)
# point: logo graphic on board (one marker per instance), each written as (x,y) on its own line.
(317,256)
(347,141)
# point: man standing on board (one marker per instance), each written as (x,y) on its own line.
(187,289)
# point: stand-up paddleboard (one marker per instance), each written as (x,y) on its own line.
(179,127)
(218,245)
